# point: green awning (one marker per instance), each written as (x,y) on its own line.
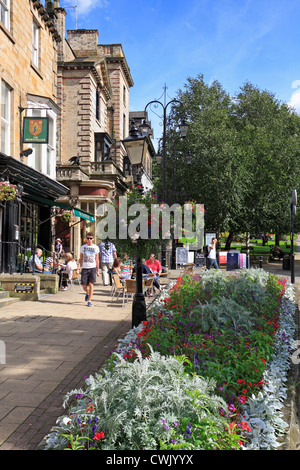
(48,202)
(84,215)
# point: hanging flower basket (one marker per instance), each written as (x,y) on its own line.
(65,215)
(8,191)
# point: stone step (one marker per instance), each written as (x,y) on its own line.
(4,294)
(5,301)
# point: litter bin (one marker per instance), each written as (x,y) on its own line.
(233,260)
(286,262)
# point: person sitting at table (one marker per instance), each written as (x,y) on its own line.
(116,269)
(49,267)
(126,267)
(147,273)
(66,272)
(71,265)
(35,263)
(155,267)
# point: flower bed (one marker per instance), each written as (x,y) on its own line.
(206,371)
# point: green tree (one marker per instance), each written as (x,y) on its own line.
(269,133)
(246,156)
(215,175)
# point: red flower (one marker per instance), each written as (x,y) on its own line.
(99,435)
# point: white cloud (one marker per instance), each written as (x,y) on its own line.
(84,7)
(295,98)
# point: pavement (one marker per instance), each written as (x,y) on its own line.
(51,345)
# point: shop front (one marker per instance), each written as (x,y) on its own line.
(26,217)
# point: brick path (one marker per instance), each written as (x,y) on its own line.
(51,346)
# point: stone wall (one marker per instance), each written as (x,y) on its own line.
(29,286)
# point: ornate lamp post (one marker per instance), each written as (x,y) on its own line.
(137,146)
(183,129)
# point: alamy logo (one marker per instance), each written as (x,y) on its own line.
(160,221)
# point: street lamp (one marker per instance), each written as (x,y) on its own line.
(137,146)
(183,129)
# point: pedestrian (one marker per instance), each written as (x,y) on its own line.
(107,254)
(58,248)
(89,261)
(212,256)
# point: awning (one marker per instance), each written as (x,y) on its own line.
(48,202)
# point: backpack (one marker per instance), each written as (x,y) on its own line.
(206,251)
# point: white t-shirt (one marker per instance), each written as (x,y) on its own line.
(89,256)
(212,253)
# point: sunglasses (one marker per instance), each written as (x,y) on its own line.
(89,238)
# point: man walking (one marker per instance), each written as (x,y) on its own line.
(108,254)
(89,261)
(212,256)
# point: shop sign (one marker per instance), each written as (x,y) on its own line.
(35,130)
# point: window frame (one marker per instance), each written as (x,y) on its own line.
(6,120)
(43,157)
(35,44)
(5,6)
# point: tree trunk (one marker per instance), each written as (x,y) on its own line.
(229,241)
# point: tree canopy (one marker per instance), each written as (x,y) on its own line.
(246,156)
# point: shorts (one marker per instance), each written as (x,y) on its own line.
(88,275)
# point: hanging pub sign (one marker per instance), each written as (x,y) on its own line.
(35,130)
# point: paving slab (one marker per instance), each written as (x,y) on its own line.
(51,345)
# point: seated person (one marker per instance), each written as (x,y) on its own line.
(277,251)
(66,273)
(147,273)
(71,265)
(126,267)
(155,267)
(116,268)
(49,266)
(35,263)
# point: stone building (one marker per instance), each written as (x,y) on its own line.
(93,86)
(28,79)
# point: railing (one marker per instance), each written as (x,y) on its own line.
(22,259)
(73,172)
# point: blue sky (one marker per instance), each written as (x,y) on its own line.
(231,41)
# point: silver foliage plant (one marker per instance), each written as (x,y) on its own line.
(264,411)
(133,400)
